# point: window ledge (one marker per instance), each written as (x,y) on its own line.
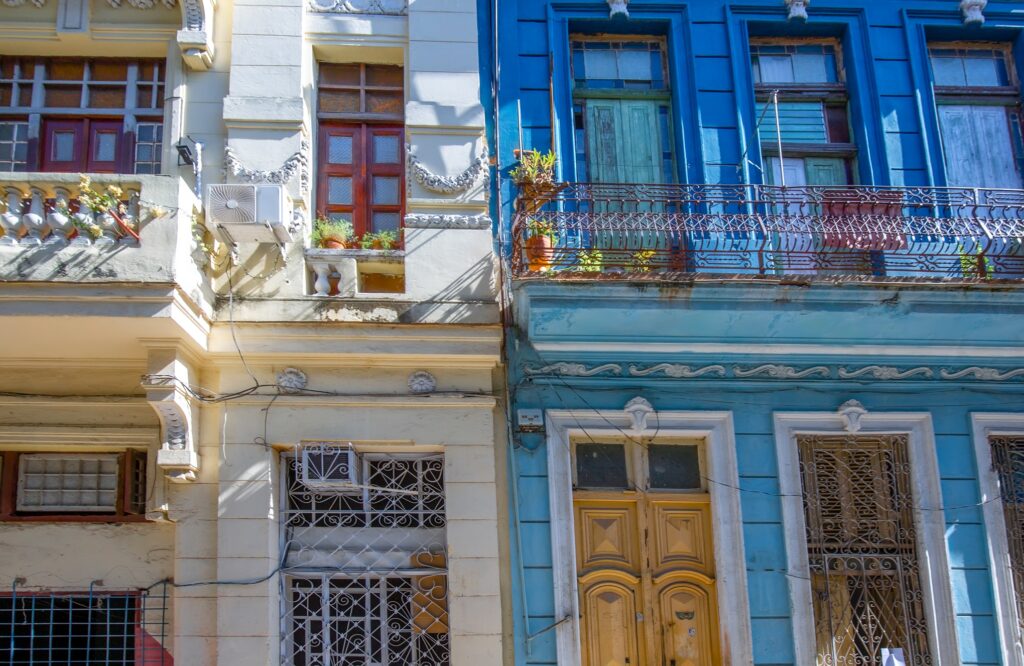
(382,256)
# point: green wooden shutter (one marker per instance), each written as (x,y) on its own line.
(623,141)
(642,143)
(801,122)
(825,171)
(604,141)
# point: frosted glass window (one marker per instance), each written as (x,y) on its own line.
(148,147)
(970,68)
(385,221)
(386,190)
(339,190)
(104,147)
(794,63)
(632,64)
(385,149)
(63,147)
(339,149)
(13,146)
(58,482)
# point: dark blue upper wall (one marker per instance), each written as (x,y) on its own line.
(525,57)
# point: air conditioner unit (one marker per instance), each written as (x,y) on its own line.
(250,213)
(330,467)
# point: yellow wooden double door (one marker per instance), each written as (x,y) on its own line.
(646,579)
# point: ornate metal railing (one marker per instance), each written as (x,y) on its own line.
(588,229)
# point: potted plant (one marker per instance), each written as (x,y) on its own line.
(975,265)
(591,261)
(379,240)
(331,234)
(540,238)
(535,177)
(107,209)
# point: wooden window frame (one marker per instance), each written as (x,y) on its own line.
(37,113)
(362,126)
(130,461)
(1007,94)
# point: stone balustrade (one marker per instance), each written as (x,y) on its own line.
(336,272)
(49,211)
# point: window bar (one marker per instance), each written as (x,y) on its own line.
(325,620)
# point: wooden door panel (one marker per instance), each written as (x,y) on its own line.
(64,144)
(682,536)
(606,535)
(609,610)
(689,625)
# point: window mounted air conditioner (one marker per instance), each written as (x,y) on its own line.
(246,213)
(331,467)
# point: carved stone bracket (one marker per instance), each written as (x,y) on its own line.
(973,11)
(446,184)
(638,410)
(166,394)
(797,9)
(297,163)
(851,412)
(196,35)
(618,8)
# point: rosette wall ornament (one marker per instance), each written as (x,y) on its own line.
(973,11)
(797,9)
(386,7)
(447,184)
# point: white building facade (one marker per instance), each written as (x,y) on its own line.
(250,391)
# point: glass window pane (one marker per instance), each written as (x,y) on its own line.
(64,96)
(810,68)
(599,65)
(104,147)
(339,191)
(634,65)
(601,466)
(674,466)
(63,148)
(390,103)
(384,75)
(776,69)
(106,97)
(385,149)
(386,221)
(983,72)
(339,149)
(386,190)
(948,72)
(339,101)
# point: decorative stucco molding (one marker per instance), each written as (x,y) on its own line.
(884,372)
(618,8)
(781,371)
(851,412)
(291,380)
(676,370)
(19,3)
(195,39)
(442,221)
(387,7)
(165,394)
(797,9)
(142,4)
(984,374)
(422,382)
(973,11)
(573,369)
(297,163)
(638,410)
(446,184)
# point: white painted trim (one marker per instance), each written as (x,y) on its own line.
(984,426)
(932,550)
(716,429)
(32,437)
(838,350)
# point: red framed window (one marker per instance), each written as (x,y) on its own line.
(99,115)
(50,486)
(361,175)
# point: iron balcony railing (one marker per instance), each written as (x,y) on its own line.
(606,230)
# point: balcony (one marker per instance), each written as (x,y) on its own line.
(50,235)
(685,232)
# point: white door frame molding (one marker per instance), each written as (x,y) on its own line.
(932,550)
(716,429)
(984,426)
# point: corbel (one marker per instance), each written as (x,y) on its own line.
(797,9)
(196,35)
(973,11)
(618,8)
(165,384)
(851,412)
(638,410)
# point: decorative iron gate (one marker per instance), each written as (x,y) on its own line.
(365,579)
(862,549)
(1008,461)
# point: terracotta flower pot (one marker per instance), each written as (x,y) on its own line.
(538,252)
(333,244)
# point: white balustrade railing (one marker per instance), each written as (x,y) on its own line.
(328,266)
(51,214)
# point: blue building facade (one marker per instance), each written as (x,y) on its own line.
(765,353)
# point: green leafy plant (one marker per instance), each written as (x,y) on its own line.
(534,168)
(640,261)
(591,261)
(85,226)
(970,264)
(325,230)
(107,201)
(541,228)
(380,240)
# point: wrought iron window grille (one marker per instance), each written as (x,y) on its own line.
(366,564)
(1008,464)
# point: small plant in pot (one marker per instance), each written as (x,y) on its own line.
(535,177)
(331,234)
(379,240)
(540,238)
(591,261)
